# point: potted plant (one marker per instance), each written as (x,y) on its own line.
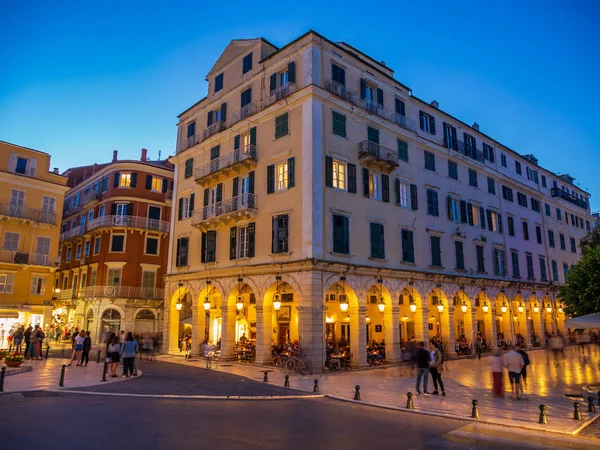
(14,360)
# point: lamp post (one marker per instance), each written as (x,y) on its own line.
(440,308)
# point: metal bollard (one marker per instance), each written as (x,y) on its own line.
(3,370)
(266,378)
(98,357)
(576,411)
(61,382)
(287,381)
(543,417)
(104,371)
(591,406)
(598,394)
(409,401)
(47,350)
(357,392)
(316,388)
(475,410)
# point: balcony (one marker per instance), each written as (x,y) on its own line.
(26,215)
(372,108)
(132,292)
(233,210)
(168,196)
(128,222)
(556,192)
(245,111)
(66,294)
(73,232)
(213,129)
(188,142)
(242,158)
(372,154)
(29,259)
(461,147)
(280,93)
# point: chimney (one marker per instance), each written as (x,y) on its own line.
(475,126)
(144,157)
(435,104)
(115,155)
(55,170)
(95,168)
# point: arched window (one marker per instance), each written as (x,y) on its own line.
(145,314)
(90,314)
(111,314)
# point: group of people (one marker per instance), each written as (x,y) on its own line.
(516,361)
(81,344)
(122,347)
(27,341)
(429,363)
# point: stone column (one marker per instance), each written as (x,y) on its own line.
(213,315)
(264,316)
(311,331)
(421,325)
(358,335)
(128,321)
(227,331)
(392,334)
(492,333)
(527,330)
(473,328)
(198,323)
(448,331)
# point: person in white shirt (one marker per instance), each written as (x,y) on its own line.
(514,361)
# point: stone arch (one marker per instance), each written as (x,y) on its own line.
(145,308)
(269,284)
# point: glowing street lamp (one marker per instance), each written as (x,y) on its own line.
(536,308)
(548,308)
(485,307)
(413,305)
(206,303)
(381,305)
(178,305)
(344,304)
(463,307)
(276,302)
(440,306)
(521,308)
(503,308)
(560,308)
(239,304)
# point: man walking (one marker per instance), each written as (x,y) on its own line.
(514,361)
(526,362)
(422,360)
(435,367)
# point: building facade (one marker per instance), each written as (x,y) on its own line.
(320,200)
(31,202)
(114,246)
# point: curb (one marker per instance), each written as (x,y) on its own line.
(18,370)
(190,397)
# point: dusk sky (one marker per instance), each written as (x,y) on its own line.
(79,79)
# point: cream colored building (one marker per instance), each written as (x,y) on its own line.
(31,204)
(309,174)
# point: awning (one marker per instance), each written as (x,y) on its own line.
(9,315)
(590,321)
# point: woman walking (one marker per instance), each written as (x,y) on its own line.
(128,350)
(435,367)
(497,366)
(87,347)
(113,351)
(78,348)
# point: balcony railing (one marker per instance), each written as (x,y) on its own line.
(463,149)
(279,93)
(189,142)
(25,213)
(239,207)
(247,153)
(245,111)
(212,129)
(31,259)
(373,108)
(556,192)
(128,221)
(66,294)
(168,195)
(371,152)
(73,232)
(135,292)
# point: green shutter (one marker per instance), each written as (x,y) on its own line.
(366,182)
(385,188)
(236,142)
(148,182)
(232,242)
(352,178)
(253,136)
(251,239)
(402,150)
(270,179)
(328,171)
(292,72)
(291,173)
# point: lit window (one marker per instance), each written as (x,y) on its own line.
(125,180)
(339,174)
(494,222)
(38,286)
(157,184)
(243,242)
(404,194)
(374,186)
(282,176)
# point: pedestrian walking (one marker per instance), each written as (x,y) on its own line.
(554,345)
(422,361)
(479,345)
(27,338)
(129,348)
(497,366)
(77,348)
(113,352)
(35,343)
(514,362)
(85,352)
(18,338)
(436,363)
(526,362)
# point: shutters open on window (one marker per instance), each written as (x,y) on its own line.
(251,239)
(209,119)
(203,249)
(133,179)
(224,112)
(251,182)
(116,179)
(380,96)
(148,182)
(400,107)
(236,142)
(365,172)
(482,217)
(449,205)
(292,72)
(397,189)
(235,190)
(219,198)
(414,201)
(463,211)
(489,220)
(192,200)
(253,136)
(273,82)
(232,242)
(385,188)
(352,178)
(165,185)
(363,88)
(205,199)
(291,172)
(271,179)
(470,214)
(129,209)
(328,171)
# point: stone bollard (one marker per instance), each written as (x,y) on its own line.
(475,410)
(47,350)
(357,392)
(591,406)
(287,381)
(104,371)
(576,411)
(543,417)
(61,382)
(98,357)
(409,401)
(266,378)
(316,388)
(2,372)
(598,395)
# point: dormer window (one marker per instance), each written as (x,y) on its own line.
(22,165)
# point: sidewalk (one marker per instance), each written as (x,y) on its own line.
(464,380)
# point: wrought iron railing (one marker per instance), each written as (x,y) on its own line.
(123,292)
(189,142)
(128,221)
(212,129)
(379,152)
(26,213)
(464,149)
(373,108)
(560,193)
(247,152)
(73,232)
(32,259)
(168,195)
(66,294)
(242,113)
(239,203)
(281,92)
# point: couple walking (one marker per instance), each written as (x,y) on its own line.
(429,362)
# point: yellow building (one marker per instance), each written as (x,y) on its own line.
(31,204)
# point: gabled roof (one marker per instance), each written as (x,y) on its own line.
(235,49)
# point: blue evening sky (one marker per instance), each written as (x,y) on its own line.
(79,79)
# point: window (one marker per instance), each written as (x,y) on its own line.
(97,242)
(558,214)
(68,257)
(530,274)
(515,264)
(151,246)
(454,209)
(247,63)
(186,206)
(538,234)
(101,211)
(499,262)
(189,167)
(565,270)
(400,108)
(507,194)
(480,259)
(427,122)
(339,174)
(181,257)
(114,277)
(403,194)
(551,238)
(246,97)
(282,176)
(242,241)
(554,271)
(543,180)
(11,241)
(460,255)
(124,180)
(503,160)
(491,186)
(374,186)
(377,241)
(402,150)
(280,234)
(573,245)
(38,286)
(208,251)
(7,282)
(525,230)
(473,178)
(219,81)
(588,226)
(488,152)
(281,126)
(432,203)
(117,243)
(450,137)
(470,145)
(529,173)
(65,282)
(148,281)
(338,74)
(511,226)
(494,221)
(563,245)
(436,252)
(341,234)
(543,274)
(474,214)
(535,205)
(339,123)
(518,168)
(48,204)
(429,161)
(408,246)
(91,215)
(547,209)
(86,249)
(453,170)
(191,129)
(156,184)
(522,199)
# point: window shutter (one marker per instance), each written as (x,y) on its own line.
(236,182)
(129,209)
(373,135)
(274,231)
(381,242)
(224,112)
(148,182)
(470,214)
(273,82)
(328,171)
(400,107)
(291,176)
(253,136)
(397,189)
(346,234)
(414,200)
(165,185)
(449,203)
(482,217)
(292,72)
(203,249)
(219,198)
(205,200)
(500,224)
(385,186)
(489,219)
(352,178)
(402,150)
(209,119)
(374,240)
(179,210)
(178,253)
(236,142)
(432,124)
(365,182)
(116,179)
(447,142)
(251,182)
(463,211)
(271,179)
(251,239)
(133,179)
(363,88)
(232,242)
(113,209)
(215,152)
(192,201)
(380,96)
